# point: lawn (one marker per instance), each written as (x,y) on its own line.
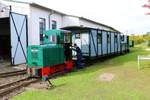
(129,83)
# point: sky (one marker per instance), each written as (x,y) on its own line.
(127,16)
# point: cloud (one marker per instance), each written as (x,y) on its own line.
(124,15)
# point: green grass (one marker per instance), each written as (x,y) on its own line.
(129,82)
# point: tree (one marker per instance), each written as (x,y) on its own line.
(140,38)
(147,6)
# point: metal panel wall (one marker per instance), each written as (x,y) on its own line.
(123,43)
(93,42)
(85,44)
(100,45)
(112,42)
(104,42)
(108,42)
(118,42)
(126,40)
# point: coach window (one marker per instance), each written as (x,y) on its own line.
(122,38)
(54,24)
(53,39)
(67,38)
(99,37)
(115,38)
(42,28)
(108,38)
(77,35)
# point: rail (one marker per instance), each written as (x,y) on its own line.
(10,87)
(13,73)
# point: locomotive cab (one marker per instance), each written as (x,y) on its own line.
(60,37)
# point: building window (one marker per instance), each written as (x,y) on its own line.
(42,28)
(54,24)
(99,38)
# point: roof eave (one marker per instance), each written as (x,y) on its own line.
(18,1)
(35,4)
(43,7)
(100,24)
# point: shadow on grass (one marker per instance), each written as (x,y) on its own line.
(144,68)
(111,61)
(56,86)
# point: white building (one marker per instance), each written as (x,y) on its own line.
(22,24)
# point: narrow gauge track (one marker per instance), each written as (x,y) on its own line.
(13,73)
(10,87)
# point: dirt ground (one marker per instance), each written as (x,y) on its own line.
(106,77)
(39,85)
(5,66)
(42,85)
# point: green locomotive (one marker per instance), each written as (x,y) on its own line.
(51,57)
